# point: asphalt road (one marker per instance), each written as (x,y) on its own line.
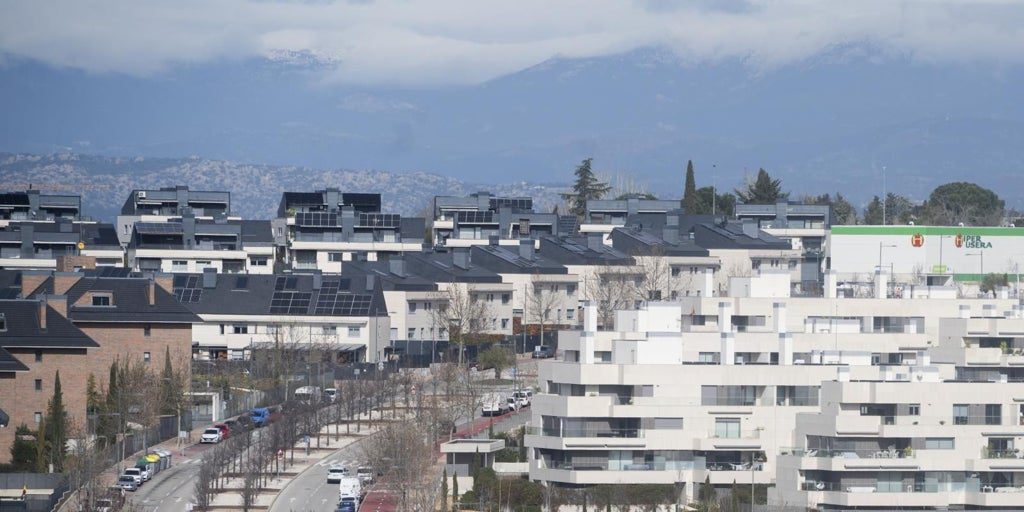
(310,491)
(172,488)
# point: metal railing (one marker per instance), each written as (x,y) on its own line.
(587,432)
(888,453)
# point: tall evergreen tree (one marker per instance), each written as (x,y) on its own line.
(444,490)
(763,190)
(107,424)
(455,491)
(586,188)
(41,446)
(57,425)
(690,200)
(873,212)
(168,386)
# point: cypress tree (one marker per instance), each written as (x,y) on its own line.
(455,491)
(41,446)
(444,490)
(690,191)
(57,425)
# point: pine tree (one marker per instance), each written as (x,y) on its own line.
(586,188)
(690,201)
(763,190)
(873,212)
(57,425)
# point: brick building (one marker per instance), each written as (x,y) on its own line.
(79,323)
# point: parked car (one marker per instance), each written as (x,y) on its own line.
(523,398)
(225,431)
(128,483)
(335,473)
(513,403)
(244,422)
(135,473)
(211,435)
(145,471)
(263,416)
(234,425)
(494,404)
(365,475)
(543,352)
(331,394)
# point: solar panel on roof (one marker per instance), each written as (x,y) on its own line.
(241,282)
(286,283)
(380,220)
(158,228)
(343,304)
(474,217)
(188,295)
(316,219)
(290,303)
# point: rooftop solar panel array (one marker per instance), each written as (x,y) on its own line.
(379,220)
(290,303)
(474,217)
(516,203)
(158,228)
(343,304)
(316,219)
(187,289)
(286,283)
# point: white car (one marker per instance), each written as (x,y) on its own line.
(331,394)
(523,398)
(211,435)
(135,473)
(335,473)
(146,473)
(365,475)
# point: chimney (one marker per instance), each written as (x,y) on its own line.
(589,331)
(708,287)
(371,282)
(492,240)
(595,241)
(165,281)
(728,353)
(750,228)
(785,349)
(42,313)
(724,317)
(58,303)
(31,281)
(526,249)
(396,265)
(881,284)
(151,290)
(965,311)
(830,284)
(670,234)
(209,278)
(779,312)
(460,257)
(318,280)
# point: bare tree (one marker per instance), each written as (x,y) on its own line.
(409,455)
(462,315)
(609,288)
(541,304)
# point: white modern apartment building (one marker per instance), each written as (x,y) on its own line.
(189,244)
(718,388)
(242,313)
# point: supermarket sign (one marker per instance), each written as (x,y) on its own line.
(971,242)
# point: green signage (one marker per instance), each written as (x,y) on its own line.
(976,242)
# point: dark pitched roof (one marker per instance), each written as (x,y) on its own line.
(393,274)
(9,363)
(278,295)
(504,260)
(639,242)
(130,302)
(440,266)
(582,250)
(23,330)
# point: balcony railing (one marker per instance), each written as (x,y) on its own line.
(627,433)
(894,453)
(599,465)
(1011,453)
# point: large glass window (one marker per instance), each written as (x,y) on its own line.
(728,428)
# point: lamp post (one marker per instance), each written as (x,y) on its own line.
(881,246)
(941,238)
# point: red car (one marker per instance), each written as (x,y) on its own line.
(225,432)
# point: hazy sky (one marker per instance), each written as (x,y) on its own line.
(441,42)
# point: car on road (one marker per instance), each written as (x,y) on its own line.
(513,403)
(225,431)
(347,505)
(335,473)
(494,404)
(523,398)
(543,352)
(365,475)
(135,473)
(146,473)
(211,435)
(263,416)
(128,483)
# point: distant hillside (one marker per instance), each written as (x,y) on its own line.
(104,182)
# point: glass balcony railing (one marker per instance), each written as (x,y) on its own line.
(889,453)
(630,433)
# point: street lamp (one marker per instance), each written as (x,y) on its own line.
(880,247)
(942,269)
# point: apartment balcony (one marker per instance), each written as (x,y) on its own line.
(598,438)
(590,474)
(745,439)
(914,495)
(853,460)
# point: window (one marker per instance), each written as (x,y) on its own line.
(569,314)
(222,328)
(101,299)
(993,414)
(334,256)
(727,428)
(353,332)
(39,356)
(939,443)
(3,323)
(570,289)
(330,330)
(914,410)
(668,424)
(179,266)
(146,357)
(39,417)
(792,264)
(490,297)
(412,307)
(675,271)
(411,334)
(39,384)
(960,414)
(273,329)
(257,262)
(506,298)
(504,323)
(240,329)
(203,264)
(707,357)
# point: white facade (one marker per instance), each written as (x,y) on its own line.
(720,388)
(237,335)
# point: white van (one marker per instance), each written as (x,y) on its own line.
(308,394)
(494,404)
(350,487)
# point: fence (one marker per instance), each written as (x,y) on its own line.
(33,482)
